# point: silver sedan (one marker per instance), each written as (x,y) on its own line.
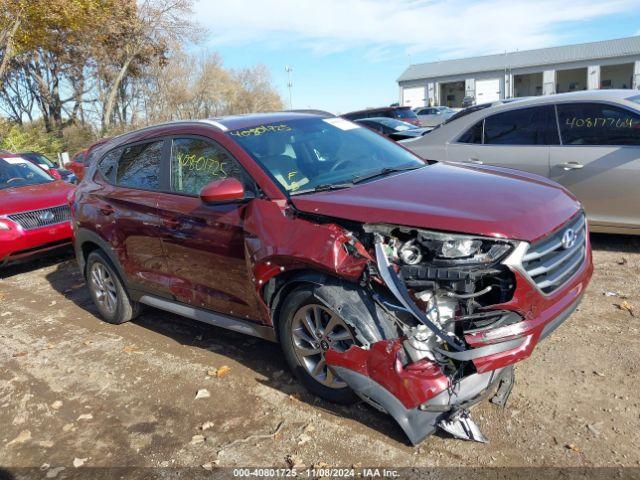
(587,141)
(432,116)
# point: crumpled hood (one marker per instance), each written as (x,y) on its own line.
(34,197)
(480,200)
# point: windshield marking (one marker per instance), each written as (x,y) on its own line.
(261,129)
(321,153)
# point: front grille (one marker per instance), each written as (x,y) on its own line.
(42,218)
(549,263)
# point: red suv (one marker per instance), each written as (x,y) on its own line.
(413,285)
(34,215)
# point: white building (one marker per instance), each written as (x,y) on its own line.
(606,64)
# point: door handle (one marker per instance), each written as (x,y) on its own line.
(475,161)
(571,166)
(106,210)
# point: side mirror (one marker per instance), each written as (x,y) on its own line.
(227,190)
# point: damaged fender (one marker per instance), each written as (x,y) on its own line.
(323,248)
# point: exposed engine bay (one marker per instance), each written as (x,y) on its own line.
(437,288)
(443,282)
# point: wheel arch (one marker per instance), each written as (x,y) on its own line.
(278,288)
(87,241)
(351,301)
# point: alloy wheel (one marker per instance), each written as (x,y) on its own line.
(104,288)
(316,329)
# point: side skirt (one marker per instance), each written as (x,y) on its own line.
(212,318)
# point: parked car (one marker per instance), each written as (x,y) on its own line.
(432,116)
(413,285)
(34,215)
(399,113)
(80,160)
(77,164)
(468,101)
(463,112)
(588,141)
(392,128)
(50,167)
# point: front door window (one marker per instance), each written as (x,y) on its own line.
(598,124)
(196,162)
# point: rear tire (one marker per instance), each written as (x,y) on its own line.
(310,323)
(107,290)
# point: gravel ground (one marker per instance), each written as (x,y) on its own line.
(75,391)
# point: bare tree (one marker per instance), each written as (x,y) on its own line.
(254,92)
(189,86)
(50,49)
(144,36)
(113,65)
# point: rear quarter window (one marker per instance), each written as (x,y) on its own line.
(473,135)
(109,164)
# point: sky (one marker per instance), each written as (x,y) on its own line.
(347,54)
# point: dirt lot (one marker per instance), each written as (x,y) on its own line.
(75,388)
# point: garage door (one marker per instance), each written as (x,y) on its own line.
(487,90)
(413,97)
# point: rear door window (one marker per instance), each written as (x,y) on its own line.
(196,162)
(526,126)
(598,124)
(139,166)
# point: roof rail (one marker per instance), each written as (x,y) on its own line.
(310,110)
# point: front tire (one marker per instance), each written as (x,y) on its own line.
(310,323)
(107,290)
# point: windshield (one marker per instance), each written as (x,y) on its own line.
(404,113)
(635,99)
(41,159)
(18,172)
(305,154)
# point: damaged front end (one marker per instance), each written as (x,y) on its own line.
(464,312)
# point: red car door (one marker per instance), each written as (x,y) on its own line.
(204,243)
(126,214)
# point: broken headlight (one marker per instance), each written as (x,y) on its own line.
(459,249)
